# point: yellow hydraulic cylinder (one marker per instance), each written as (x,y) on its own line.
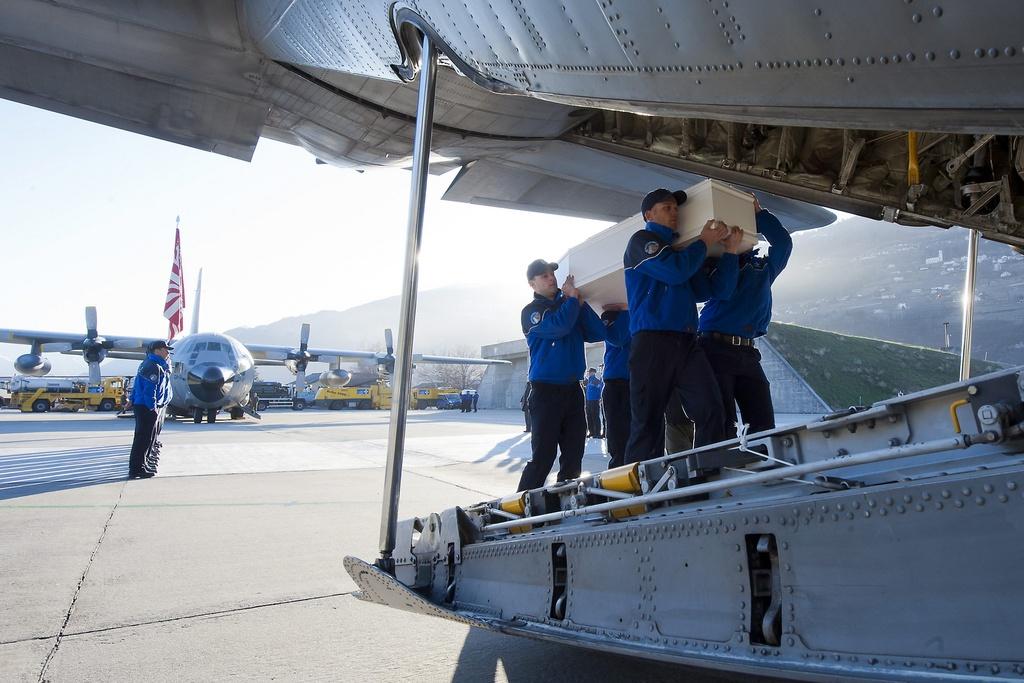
(516,505)
(627,480)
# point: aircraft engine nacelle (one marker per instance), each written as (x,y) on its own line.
(335,378)
(32,364)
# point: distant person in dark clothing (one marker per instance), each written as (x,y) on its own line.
(151,392)
(525,402)
(728,327)
(593,385)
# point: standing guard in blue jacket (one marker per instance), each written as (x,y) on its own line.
(151,392)
(729,325)
(661,280)
(592,386)
(556,324)
(616,382)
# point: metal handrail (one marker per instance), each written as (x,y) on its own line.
(960,441)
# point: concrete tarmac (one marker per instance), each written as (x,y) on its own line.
(228,563)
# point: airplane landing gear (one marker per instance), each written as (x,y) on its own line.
(197,415)
(237,413)
(211,416)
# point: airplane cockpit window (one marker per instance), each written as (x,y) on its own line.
(214,346)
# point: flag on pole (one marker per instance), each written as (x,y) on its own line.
(174,307)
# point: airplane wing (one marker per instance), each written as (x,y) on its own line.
(686,94)
(269,354)
(455,360)
(92,346)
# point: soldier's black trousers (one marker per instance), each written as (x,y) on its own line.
(145,434)
(659,364)
(559,425)
(616,419)
(742,382)
(594,418)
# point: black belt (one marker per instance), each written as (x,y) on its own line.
(730,339)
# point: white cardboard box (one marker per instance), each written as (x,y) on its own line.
(597,262)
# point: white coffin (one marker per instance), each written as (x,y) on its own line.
(597,262)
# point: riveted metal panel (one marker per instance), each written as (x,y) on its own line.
(909,570)
(663,580)
(788,58)
(510,578)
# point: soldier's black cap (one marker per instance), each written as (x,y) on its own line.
(158,344)
(538,267)
(658,196)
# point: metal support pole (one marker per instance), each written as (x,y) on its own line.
(968,321)
(402,379)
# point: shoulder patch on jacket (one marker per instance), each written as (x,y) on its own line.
(532,314)
(643,245)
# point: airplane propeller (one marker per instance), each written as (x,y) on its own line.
(299,358)
(94,347)
(387,359)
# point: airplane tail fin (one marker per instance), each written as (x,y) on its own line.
(194,329)
(174,304)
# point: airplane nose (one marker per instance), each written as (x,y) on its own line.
(211,383)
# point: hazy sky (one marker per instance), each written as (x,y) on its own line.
(88,219)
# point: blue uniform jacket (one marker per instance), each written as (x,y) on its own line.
(152,386)
(663,286)
(749,310)
(616,345)
(594,386)
(555,331)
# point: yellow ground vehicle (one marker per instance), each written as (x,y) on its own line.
(73,395)
(429,397)
(375,396)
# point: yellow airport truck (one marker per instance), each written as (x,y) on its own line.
(432,397)
(40,394)
(377,397)
(373,396)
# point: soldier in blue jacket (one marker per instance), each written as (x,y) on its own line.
(616,382)
(556,324)
(663,285)
(151,392)
(728,327)
(592,386)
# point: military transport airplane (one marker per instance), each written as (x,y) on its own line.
(209,372)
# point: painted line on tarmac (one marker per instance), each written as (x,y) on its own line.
(144,506)
(183,617)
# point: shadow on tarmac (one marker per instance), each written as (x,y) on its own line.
(70,424)
(486,655)
(46,471)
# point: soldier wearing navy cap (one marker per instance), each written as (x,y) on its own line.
(728,327)
(663,285)
(151,392)
(556,324)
